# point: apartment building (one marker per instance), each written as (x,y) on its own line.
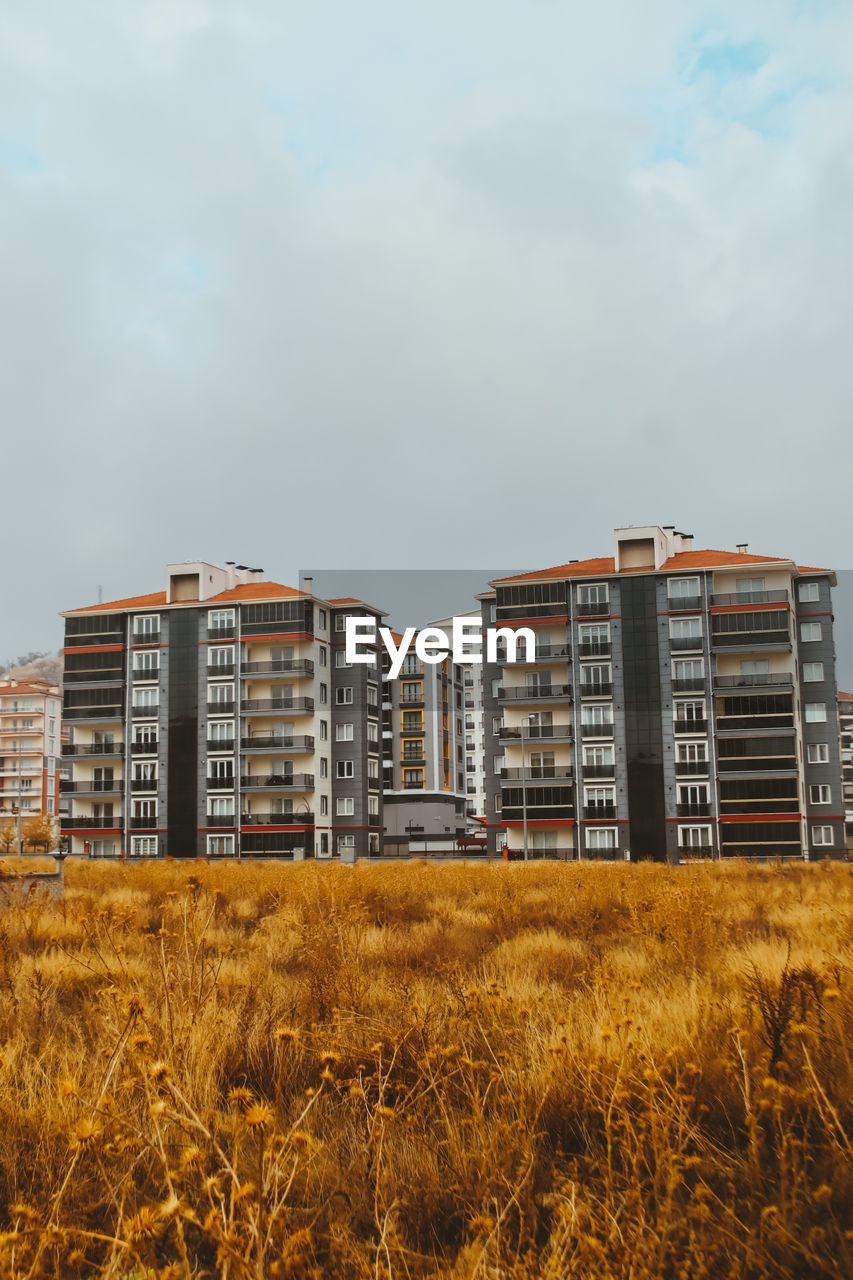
(216,718)
(678,703)
(30,735)
(845,733)
(423,741)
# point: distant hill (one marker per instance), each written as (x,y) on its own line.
(35,666)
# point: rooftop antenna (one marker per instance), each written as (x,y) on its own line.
(100,595)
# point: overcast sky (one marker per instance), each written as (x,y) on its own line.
(388,284)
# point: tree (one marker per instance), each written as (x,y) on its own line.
(40,832)
(8,837)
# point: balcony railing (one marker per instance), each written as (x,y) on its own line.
(779,638)
(679,604)
(690,726)
(679,644)
(750,597)
(697,809)
(599,770)
(220,708)
(220,670)
(597,730)
(534,692)
(225,783)
(762,680)
(538,773)
(148,823)
(96,824)
(92,748)
(279,666)
(279,781)
(543,653)
(691,768)
(213,745)
(412,703)
(413,786)
(144,748)
(757,764)
(696,850)
(143,784)
(140,713)
(92,786)
(145,673)
(509,612)
(221,633)
(600,812)
(293,706)
(145,637)
(92,713)
(412,760)
(737,724)
(220,820)
(688,684)
(592,609)
(596,688)
(94,638)
(536,732)
(276,819)
(100,675)
(278,742)
(595,649)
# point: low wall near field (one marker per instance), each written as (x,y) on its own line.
(17,887)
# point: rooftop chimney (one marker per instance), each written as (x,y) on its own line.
(308,586)
(742,546)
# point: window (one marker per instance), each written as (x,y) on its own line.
(685,629)
(344,732)
(220,695)
(146,698)
(341,623)
(412,665)
(346,844)
(679,588)
(220,656)
(215,768)
(220,846)
(324,806)
(820,793)
(324,656)
(601,838)
(817,753)
(812,671)
(143,771)
(341,658)
(324,693)
(592,675)
(345,769)
(815,712)
(220,619)
(411,693)
(372,767)
(808,592)
(373,806)
(597,714)
(372,695)
(749,585)
(221,731)
(413,777)
(373,842)
(497,685)
(598,797)
(591,633)
(324,767)
(324,844)
(324,730)
(343,696)
(497,724)
(220,806)
(692,752)
(598,757)
(145,846)
(372,733)
(147,662)
(694,837)
(594,593)
(148,625)
(321,619)
(693,793)
(144,809)
(143,735)
(823,835)
(755,667)
(689,669)
(689,711)
(345,806)
(810,631)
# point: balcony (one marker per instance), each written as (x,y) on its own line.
(145,637)
(536,732)
(80,749)
(225,783)
(688,684)
(92,713)
(293,706)
(413,760)
(220,820)
(93,639)
(596,689)
(696,850)
(690,726)
(412,733)
(553,854)
(94,824)
(776,679)
(411,704)
(149,712)
(599,812)
(279,666)
(597,730)
(749,597)
(684,604)
(757,764)
(595,649)
(143,784)
(99,675)
(698,809)
(145,748)
(278,742)
(145,673)
(535,693)
(777,638)
(543,653)
(599,771)
(220,671)
(413,786)
(305,819)
(278,782)
(593,609)
(91,786)
(682,644)
(535,609)
(691,768)
(221,633)
(221,708)
(538,773)
(214,745)
(746,723)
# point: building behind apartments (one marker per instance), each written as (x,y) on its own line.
(30,736)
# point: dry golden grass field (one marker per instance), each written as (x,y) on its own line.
(247,1070)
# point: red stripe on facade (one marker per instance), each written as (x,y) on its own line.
(749,608)
(94,648)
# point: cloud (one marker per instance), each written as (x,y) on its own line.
(387,284)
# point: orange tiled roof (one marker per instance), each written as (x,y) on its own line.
(257,591)
(154,599)
(157,599)
(602,566)
(10,684)
(810,568)
(346,600)
(847,696)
